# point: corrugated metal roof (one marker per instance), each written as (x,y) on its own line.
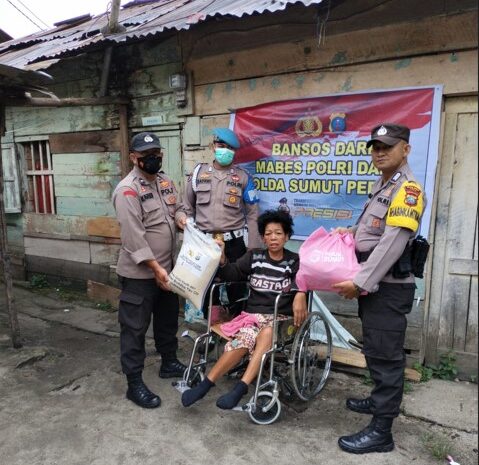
(140,20)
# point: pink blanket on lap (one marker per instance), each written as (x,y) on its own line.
(243,320)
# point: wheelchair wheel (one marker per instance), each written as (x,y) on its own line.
(265,418)
(196,376)
(311,356)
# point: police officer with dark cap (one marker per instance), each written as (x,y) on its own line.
(283,205)
(222,199)
(385,284)
(148,210)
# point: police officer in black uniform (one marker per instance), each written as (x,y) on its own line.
(385,284)
(148,210)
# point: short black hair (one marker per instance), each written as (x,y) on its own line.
(276,216)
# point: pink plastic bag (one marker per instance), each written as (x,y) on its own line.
(326,259)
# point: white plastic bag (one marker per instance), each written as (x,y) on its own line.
(196,265)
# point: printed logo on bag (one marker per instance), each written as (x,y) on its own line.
(326,257)
(194,254)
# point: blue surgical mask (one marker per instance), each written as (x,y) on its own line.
(224,156)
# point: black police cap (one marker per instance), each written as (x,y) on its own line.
(389,134)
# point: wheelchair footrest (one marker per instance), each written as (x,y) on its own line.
(242,408)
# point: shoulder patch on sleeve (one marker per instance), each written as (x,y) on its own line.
(406,207)
(250,196)
(130,192)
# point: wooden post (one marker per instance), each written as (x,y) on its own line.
(124,147)
(5,258)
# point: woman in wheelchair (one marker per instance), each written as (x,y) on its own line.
(269,273)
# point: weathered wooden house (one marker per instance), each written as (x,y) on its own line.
(177,67)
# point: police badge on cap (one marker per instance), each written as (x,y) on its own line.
(145,141)
(389,134)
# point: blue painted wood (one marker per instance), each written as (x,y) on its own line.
(84,206)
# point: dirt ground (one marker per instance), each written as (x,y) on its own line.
(62,401)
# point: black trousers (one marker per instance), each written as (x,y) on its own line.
(384,323)
(234,249)
(139,299)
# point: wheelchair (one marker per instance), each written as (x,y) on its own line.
(297,365)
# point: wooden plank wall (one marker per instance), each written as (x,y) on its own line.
(451,322)
(86,169)
(85,146)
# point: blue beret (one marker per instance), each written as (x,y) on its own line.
(226,136)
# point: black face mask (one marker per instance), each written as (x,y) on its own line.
(150,164)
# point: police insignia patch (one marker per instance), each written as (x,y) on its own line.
(412,194)
(233,199)
(233,190)
(164,184)
(172,199)
(235,178)
(407,207)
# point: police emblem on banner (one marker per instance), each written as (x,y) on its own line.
(337,122)
(308,126)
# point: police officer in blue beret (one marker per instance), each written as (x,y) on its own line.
(222,199)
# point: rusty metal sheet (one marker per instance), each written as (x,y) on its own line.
(140,20)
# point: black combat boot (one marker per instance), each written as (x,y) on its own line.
(139,393)
(376,437)
(359,405)
(172,368)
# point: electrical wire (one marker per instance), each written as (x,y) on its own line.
(321,26)
(36,17)
(26,16)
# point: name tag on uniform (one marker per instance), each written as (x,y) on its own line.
(146,196)
(383,200)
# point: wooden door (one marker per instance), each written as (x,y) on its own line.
(451,320)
